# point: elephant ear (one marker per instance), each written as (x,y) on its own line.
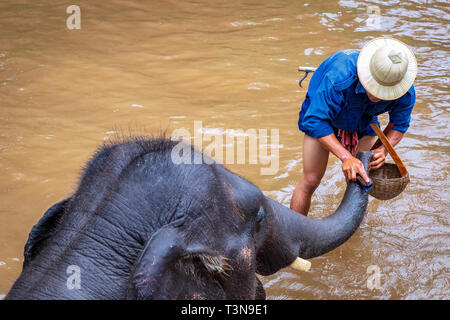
(168,269)
(43,230)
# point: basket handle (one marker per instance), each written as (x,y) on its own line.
(401,167)
(386,130)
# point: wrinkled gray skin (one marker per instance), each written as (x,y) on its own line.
(141,227)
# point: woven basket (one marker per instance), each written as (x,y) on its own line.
(387,182)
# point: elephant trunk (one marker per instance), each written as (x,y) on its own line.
(300,236)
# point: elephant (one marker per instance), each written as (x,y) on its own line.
(139,226)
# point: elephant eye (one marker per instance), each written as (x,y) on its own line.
(260,218)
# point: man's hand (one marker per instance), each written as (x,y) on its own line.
(380,151)
(379,156)
(351,166)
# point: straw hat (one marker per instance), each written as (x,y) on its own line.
(386,68)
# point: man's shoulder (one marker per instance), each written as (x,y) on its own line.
(341,69)
(409,98)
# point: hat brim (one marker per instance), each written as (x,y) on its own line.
(376,89)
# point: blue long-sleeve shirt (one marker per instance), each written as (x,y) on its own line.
(337,100)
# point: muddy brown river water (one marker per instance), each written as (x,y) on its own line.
(146,66)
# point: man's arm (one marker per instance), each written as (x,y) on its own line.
(399,118)
(350,165)
(380,152)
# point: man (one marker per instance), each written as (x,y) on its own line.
(346,93)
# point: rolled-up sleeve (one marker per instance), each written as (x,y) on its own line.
(325,103)
(400,114)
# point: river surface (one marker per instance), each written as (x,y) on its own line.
(148,66)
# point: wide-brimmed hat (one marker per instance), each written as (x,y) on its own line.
(386,68)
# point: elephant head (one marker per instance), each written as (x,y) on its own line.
(174,231)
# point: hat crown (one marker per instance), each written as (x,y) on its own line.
(386,68)
(388,65)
